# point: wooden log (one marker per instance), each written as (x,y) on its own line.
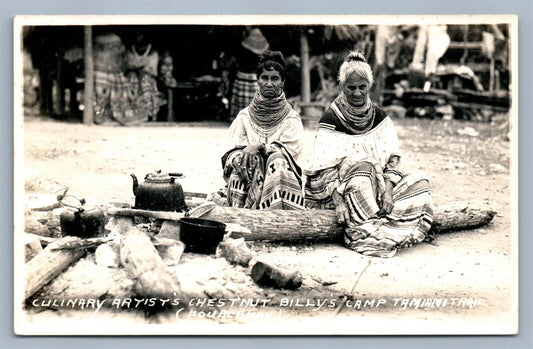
(312,225)
(267,275)
(32,226)
(446,220)
(281,225)
(88,280)
(320,225)
(131,212)
(79,243)
(48,264)
(142,261)
(32,246)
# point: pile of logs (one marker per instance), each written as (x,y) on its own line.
(141,256)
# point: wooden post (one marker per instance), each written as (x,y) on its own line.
(306,76)
(60,95)
(492,74)
(88,95)
(170,105)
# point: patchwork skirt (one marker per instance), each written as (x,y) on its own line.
(127,99)
(275,184)
(244,89)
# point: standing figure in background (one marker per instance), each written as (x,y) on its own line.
(245,84)
(114,95)
(355,170)
(142,66)
(166,69)
(266,140)
(166,84)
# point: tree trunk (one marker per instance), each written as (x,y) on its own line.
(49,263)
(310,225)
(88,93)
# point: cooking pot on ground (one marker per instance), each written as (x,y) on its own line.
(159,192)
(201,235)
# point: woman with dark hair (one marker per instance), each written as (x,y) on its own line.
(355,170)
(266,140)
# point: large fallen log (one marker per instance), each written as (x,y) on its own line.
(311,225)
(49,263)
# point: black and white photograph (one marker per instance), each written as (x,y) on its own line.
(266,175)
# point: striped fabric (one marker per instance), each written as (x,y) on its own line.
(244,89)
(361,184)
(361,189)
(319,187)
(407,224)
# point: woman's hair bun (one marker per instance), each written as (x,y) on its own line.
(275,56)
(355,56)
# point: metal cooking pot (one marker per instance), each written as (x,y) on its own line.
(201,235)
(159,192)
(80,220)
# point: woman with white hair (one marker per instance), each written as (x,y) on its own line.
(355,170)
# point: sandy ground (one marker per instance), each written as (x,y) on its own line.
(468,164)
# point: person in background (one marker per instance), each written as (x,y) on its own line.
(266,141)
(355,170)
(142,67)
(166,68)
(245,83)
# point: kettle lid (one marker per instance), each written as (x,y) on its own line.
(158,177)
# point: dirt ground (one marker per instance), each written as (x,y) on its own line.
(468,164)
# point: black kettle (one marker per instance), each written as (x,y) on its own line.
(79,220)
(159,192)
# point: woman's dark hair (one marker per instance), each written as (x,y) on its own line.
(272,60)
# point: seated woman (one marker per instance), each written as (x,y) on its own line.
(266,140)
(355,171)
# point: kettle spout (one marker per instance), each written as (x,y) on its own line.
(135,183)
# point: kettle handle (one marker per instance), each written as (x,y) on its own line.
(81,201)
(135,183)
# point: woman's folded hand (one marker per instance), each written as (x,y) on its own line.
(341,210)
(342,214)
(386,201)
(249,160)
